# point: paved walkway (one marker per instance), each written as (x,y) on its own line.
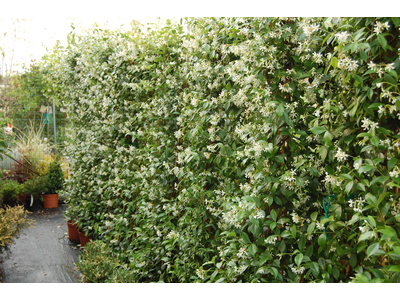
(42,253)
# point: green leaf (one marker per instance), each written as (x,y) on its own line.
(396,21)
(311,228)
(365,169)
(263,259)
(322,240)
(395,268)
(371,199)
(317,130)
(363,134)
(302,242)
(381,197)
(274,271)
(382,41)
(392,162)
(314,171)
(365,236)
(346,176)
(353,110)
(353,47)
(364,55)
(359,79)
(389,231)
(372,221)
(349,187)
(375,141)
(334,62)
(335,272)
(314,268)
(280,110)
(252,249)
(323,152)
(353,260)
(298,259)
(294,231)
(329,170)
(372,249)
(397,250)
(245,237)
(390,79)
(328,138)
(273,214)
(314,215)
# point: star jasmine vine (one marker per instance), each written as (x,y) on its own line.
(203,151)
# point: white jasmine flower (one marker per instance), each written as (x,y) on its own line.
(340,155)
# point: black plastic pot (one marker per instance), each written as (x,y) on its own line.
(32,206)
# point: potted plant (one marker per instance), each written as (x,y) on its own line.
(73,235)
(34,187)
(9,190)
(55,181)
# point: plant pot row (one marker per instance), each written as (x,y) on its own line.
(74,235)
(49,201)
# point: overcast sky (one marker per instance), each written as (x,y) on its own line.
(49,21)
(34,34)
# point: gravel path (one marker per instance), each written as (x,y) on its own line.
(42,253)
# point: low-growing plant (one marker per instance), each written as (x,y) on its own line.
(9,190)
(98,263)
(12,221)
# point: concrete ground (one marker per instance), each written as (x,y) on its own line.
(42,253)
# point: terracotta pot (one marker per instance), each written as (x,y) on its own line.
(83,238)
(50,200)
(73,232)
(21,198)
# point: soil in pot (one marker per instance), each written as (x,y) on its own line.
(73,232)
(50,200)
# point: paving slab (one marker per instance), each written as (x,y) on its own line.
(42,254)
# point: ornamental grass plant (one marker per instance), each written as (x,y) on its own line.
(237,149)
(34,148)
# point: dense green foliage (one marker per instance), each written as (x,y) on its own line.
(54,178)
(9,190)
(98,264)
(238,150)
(34,186)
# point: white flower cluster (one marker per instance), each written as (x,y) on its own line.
(357,204)
(342,36)
(297,270)
(348,64)
(340,155)
(367,124)
(271,240)
(380,27)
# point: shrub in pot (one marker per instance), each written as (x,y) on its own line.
(55,181)
(9,190)
(34,187)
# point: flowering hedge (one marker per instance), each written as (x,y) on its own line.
(239,149)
